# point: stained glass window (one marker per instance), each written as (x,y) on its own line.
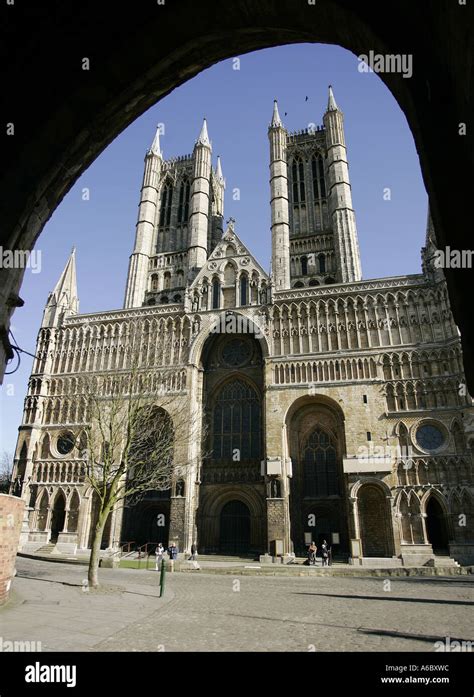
(236,422)
(236,352)
(320,465)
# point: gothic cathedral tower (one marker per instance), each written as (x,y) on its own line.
(314,235)
(179,223)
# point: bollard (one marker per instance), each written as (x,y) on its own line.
(162,578)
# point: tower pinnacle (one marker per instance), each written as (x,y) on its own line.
(219,174)
(332,106)
(63,299)
(276,120)
(155,146)
(203,136)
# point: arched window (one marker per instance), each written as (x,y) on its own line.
(183,206)
(458,437)
(167,280)
(319,184)
(216,294)
(236,423)
(165,206)
(297,170)
(320,465)
(322,263)
(154,282)
(45,452)
(403,442)
(243,290)
(304,266)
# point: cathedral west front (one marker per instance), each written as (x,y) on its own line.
(334,407)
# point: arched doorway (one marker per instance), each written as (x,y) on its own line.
(58,517)
(375,523)
(318,492)
(234,535)
(436,528)
(148,521)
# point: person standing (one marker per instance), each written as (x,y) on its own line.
(159,551)
(325,553)
(173,554)
(194,551)
(312,549)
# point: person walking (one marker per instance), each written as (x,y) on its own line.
(159,551)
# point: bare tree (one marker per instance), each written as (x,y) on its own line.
(137,440)
(6,469)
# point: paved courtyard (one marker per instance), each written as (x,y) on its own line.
(204,612)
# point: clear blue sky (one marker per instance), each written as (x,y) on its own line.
(238,106)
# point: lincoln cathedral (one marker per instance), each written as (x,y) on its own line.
(335,407)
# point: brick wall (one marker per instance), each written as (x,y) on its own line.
(11,517)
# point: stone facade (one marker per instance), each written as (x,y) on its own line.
(335,407)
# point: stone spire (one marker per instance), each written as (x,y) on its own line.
(332,106)
(219,174)
(63,300)
(276,120)
(155,146)
(204,136)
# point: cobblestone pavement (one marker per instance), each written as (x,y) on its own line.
(203,612)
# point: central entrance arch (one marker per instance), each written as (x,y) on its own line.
(234,528)
(231,509)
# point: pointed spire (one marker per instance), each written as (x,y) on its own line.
(155,146)
(203,136)
(332,106)
(276,120)
(219,174)
(64,298)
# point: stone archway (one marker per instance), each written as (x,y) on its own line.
(80,112)
(58,516)
(374,521)
(242,513)
(234,528)
(318,490)
(437,526)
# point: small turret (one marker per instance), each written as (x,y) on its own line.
(279,202)
(200,202)
(63,300)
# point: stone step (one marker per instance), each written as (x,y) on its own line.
(46,549)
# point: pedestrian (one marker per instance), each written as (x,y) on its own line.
(325,553)
(194,551)
(173,554)
(312,549)
(159,551)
